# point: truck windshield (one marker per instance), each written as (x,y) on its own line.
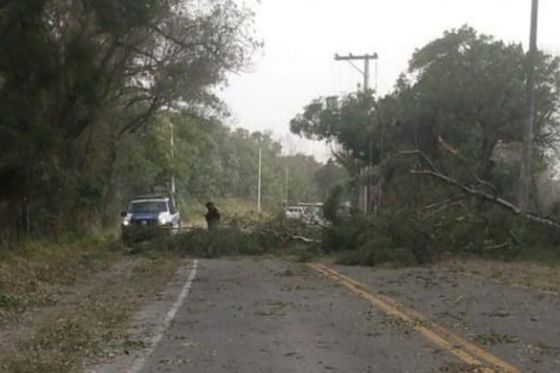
(148,206)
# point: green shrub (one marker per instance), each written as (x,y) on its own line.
(394,237)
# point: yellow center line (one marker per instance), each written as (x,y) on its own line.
(466,351)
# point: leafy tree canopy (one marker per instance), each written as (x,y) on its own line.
(462,97)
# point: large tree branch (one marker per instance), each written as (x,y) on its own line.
(489,198)
(422,155)
(181,43)
(139,120)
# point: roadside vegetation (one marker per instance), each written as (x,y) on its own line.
(62,305)
(90,93)
(440,157)
(35,274)
(399,237)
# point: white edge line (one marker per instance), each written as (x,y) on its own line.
(162,329)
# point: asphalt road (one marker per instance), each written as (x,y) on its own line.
(257,315)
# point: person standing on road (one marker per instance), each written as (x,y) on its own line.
(212,216)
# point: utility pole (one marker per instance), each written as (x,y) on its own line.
(366,58)
(172,151)
(286,181)
(259,182)
(525,175)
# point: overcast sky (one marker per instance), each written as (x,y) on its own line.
(302,36)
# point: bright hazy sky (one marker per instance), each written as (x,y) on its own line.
(302,36)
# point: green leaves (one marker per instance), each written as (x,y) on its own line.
(351,121)
(122,15)
(77,77)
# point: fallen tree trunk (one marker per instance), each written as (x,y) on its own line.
(489,198)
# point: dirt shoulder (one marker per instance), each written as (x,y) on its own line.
(538,276)
(61,307)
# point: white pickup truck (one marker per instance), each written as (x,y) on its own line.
(295,212)
(150,211)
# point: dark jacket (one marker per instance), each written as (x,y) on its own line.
(212,216)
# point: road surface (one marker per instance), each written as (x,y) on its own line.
(264,315)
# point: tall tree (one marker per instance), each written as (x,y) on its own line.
(80,75)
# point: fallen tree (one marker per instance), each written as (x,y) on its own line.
(472,191)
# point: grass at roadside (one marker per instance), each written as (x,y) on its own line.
(193,211)
(94,325)
(34,275)
(62,304)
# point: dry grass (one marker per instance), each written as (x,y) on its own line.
(63,305)
(36,275)
(94,324)
(545,278)
(194,214)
